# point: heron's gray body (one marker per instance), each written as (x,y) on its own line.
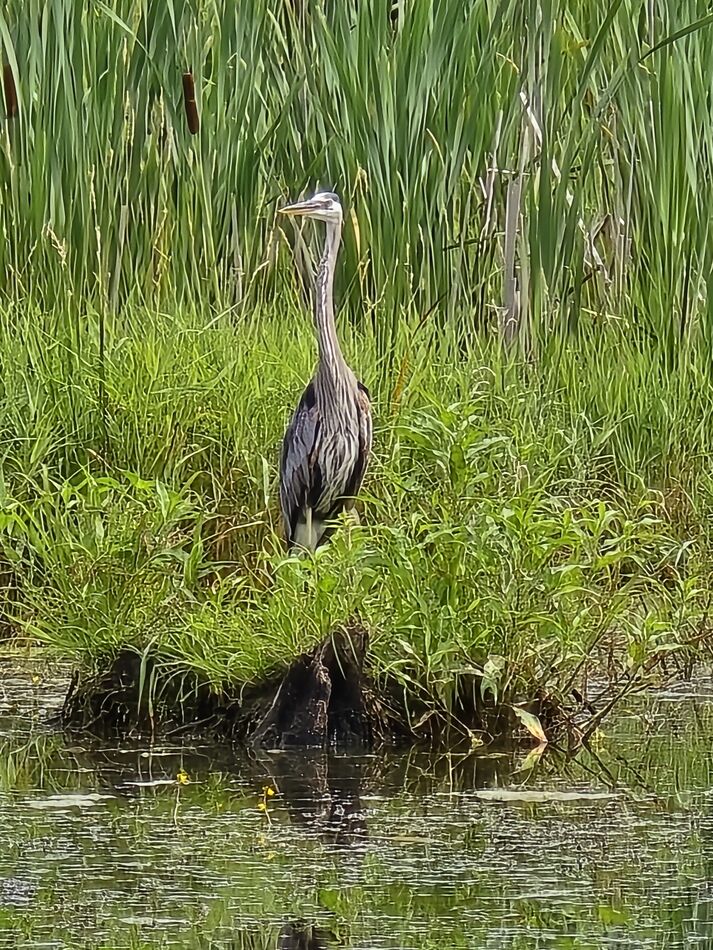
(323,462)
(328,441)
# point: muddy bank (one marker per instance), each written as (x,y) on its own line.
(324,698)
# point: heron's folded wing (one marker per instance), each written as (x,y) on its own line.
(297,477)
(365,440)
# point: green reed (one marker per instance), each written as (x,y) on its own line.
(494,157)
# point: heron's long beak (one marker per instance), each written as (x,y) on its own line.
(300,208)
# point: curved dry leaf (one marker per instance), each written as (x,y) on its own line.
(531,723)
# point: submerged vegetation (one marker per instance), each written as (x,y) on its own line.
(525,290)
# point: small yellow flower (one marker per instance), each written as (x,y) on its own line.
(262,806)
(182,777)
(598,739)
(269,791)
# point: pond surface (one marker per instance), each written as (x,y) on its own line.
(111,846)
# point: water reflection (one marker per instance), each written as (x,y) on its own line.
(293,935)
(300,936)
(320,791)
(103,846)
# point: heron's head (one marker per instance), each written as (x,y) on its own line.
(324,206)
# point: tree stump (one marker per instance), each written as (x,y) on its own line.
(321,700)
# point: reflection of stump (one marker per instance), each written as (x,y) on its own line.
(320,790)
(300,936)
(320,699)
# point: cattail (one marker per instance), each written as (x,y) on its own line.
(189,102)
(8,81)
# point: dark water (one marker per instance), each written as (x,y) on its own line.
(103,846)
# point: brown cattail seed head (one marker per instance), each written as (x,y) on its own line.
(8,81)
(189,102)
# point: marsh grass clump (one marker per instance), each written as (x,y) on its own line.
(515,544)
(525,165)
(526,281)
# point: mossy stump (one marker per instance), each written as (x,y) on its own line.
(323,698)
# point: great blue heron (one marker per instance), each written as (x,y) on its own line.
(328,441)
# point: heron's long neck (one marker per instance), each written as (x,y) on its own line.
(331,361)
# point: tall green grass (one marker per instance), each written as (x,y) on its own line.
(547,158)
